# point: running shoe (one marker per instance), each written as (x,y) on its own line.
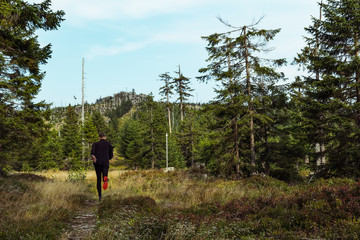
(105,185)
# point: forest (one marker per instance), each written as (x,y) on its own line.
(255,125)
(263,160)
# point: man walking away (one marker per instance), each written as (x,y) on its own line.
(101,153)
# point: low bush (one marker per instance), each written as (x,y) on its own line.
(326,209)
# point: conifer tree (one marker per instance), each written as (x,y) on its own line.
(99,121)
(236,65)
(52,155)
(152,117)
(71,139)
(130,140)
(188,137)
(183,90)
(166,91)
(176,159)
(142,139)
(330,94)
(90,135)
(21,119)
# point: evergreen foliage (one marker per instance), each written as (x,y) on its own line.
(254,125)
(52,157)
(166,92)
(99,121)
(71,139)
(242,75)
(183,90)
(188,137)
(329,96)
(22,120)
(90,136)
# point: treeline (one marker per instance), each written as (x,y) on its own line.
(254,125)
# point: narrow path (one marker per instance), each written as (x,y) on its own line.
(84,222)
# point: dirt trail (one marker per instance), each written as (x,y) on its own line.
(83,223)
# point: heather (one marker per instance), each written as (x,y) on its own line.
(258,208)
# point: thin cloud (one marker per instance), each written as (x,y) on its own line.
(118,9)
(184,32)
(103,51)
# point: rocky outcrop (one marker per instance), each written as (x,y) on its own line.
(108,103)
(102,105)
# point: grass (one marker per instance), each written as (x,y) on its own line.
(181,190)
(34,207)
(180,205)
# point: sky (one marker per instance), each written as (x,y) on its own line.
(127,44)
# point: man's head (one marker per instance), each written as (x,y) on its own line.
(102,135)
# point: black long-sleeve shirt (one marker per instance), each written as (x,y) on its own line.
(103,151)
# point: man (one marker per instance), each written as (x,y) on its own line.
(101,153)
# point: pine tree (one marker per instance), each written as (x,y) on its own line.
(280,152)
(22,120)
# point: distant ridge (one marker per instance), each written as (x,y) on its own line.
(111,102)
(103,105)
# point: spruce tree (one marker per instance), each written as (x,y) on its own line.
(52,155)
(235,63)
(188,137)
(330,93)
(142,138)
(166,92)
(22,119)
(183,90)
(176,159)
(90,135)
(130,142)
(153,130)
(71,139)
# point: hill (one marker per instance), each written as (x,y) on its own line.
(118,102)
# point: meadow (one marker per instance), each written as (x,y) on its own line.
(179,205)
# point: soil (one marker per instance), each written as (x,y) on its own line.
(83,223)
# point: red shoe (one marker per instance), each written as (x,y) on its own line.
(105,185)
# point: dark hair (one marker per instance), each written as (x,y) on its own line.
(102,135)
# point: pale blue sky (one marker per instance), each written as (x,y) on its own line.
(127,44)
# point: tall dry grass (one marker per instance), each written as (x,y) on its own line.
(44,197)
(34,207)
(90,180)
(174,189)
(179,189)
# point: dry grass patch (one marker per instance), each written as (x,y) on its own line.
(35,207)
(179,189)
